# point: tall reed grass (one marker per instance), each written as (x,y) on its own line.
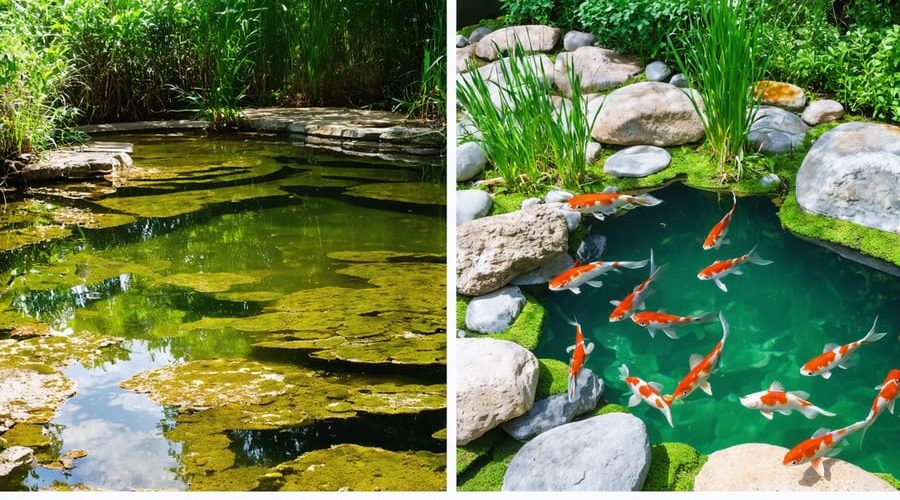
(529,141)
(722,62)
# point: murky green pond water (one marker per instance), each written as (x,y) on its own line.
(781,315)
(267,302)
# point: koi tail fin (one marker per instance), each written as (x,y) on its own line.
(652,265)
(855,426)
(645,200)
(570,390)
(725,327)
(754,257)
(708,317)
(632,264)
(623,372)
(668,413)
(733,201)
(814,411)
(872,336)
(869,421)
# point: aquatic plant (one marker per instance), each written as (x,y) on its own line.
(721,60)
(528,140)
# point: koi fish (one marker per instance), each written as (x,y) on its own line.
(580,353)
(647,392)
(716,236)
(635,300)
(609,202)
(822,444)
(572,279)
(654,321)
(701,369)
(776,399)
(721,268)
(884,400)
(834,355)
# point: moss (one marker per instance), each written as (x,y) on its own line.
(526,330)
(489,477)
(879,244)
(350,467)
(673,467)
(462,302)
(491,24)
(478,451)
(209,282)
(418,193)
(890,479)
(553,378)
(504,203)
(604,408)
(33,436)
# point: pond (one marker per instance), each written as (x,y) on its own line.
(264,301)
(781,315)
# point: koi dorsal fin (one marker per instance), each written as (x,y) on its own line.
(830,347)
(776,386)
(820,432)
(611,189)
(656,386)
(695,360)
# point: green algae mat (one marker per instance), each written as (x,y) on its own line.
(780,316)
(232,313)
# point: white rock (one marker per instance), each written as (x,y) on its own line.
(470,161)
(824,111)
(637,161)
(657,71)
(532,38)
(649,113)
(598,69)
(472,204)
(495,311)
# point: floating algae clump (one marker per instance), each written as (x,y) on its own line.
(673,467)
(33,396)
(350,467)
(209,282)
(418,193)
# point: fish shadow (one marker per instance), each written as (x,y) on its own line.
(811,477)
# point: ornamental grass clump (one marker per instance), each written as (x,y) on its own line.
(721,60)
(530,141)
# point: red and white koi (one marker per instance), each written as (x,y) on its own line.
(653,321)
(887,394)
(721,268)
(777,399)
(716,236)
(609,202)
(635,300)
(701,369)
(585,274)
(822,444)
(580,353)
(648,392)
(834,356)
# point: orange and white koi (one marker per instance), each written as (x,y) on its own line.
(609,202)
(635,300)
(777,399)
(653,321)
(887,394)
(721,268)
(834,356)
(648,392)
(716,236)
(586,274)
(580,353)
(701,369)
(822,444)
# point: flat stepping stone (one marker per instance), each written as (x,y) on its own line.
(637,161)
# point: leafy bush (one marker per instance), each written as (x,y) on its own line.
(527,11)
(637,27)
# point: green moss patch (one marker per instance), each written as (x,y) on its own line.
(553,378)
(890,479)
(350,467)
(526,330)
(489,476)
(209,282)
(604,408)
(504,203)
(673,467)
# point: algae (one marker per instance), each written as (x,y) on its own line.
(32,396)
(890,478)
(184,202)
(350,467)
(673,467)
(604,408)
(209,282)
(417,193)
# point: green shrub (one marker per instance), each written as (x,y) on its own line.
(637,27)
(527,11)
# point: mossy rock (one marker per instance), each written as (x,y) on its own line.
(46,448)
(417,193)
(350,467)
(553,378)
(489,477)
(209,282)
(526,329)
(893,481)
(673,467)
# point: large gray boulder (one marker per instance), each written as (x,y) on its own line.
(637,161)
(853,173)
(556,409)
(532,38)
(470,161)
(598,69)
(776,131)
(654,113)
(495,311)
(604,453)
(495,381)
(466,60)
(472,204)
(15,459)
(491,251)
(758,467)
(822,111)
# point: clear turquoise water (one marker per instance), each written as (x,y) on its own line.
(781,315)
